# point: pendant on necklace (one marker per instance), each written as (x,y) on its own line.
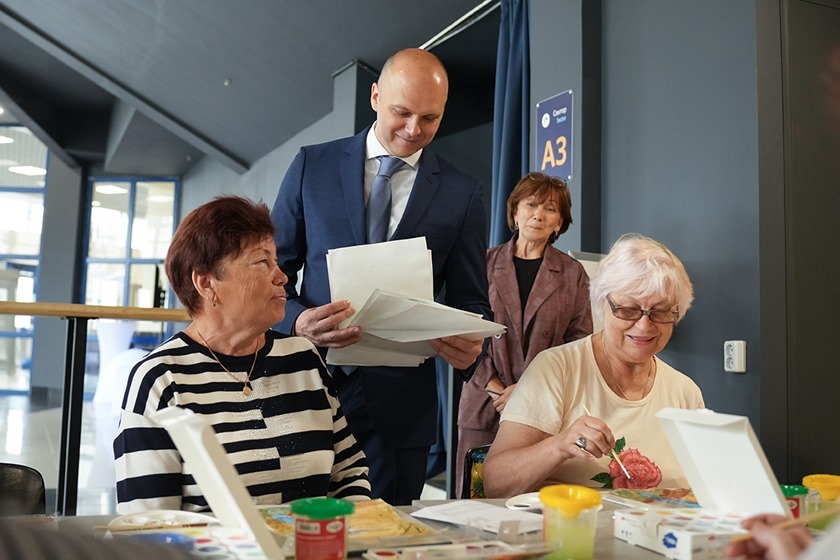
(246,389)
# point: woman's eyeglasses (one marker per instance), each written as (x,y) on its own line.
(636,313)
(536,176)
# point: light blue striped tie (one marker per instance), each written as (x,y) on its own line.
(379,203)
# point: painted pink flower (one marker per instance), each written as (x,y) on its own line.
(644,472)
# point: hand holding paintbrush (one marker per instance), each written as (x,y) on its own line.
(613,453)
(782,523)
(773,536)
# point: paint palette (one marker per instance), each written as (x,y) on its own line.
(226,544)
(160,519)
(211,543)
(526,502)
(467,550)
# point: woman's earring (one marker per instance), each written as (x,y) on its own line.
(515,225)
(215,300)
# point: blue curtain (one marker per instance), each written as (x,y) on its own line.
(511,113)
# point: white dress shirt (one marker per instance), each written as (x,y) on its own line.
(402,181)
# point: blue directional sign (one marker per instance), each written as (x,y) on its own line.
(554,135)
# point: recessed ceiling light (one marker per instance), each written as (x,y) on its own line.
(6,140)
(30,170)
(110,189)
(2,110)
(96,203)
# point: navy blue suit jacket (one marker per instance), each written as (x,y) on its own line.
(321,206)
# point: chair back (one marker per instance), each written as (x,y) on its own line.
(22,490)
(473,486)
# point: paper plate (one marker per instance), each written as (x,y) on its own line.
(161,517)
(525,502)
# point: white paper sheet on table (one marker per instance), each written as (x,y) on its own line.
(474,513)
(391,286)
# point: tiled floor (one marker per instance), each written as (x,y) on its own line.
(31,435)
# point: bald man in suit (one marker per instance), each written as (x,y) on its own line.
(321,205)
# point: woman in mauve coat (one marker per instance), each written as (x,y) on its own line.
(538,292)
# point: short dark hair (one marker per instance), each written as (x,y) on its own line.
(210,234)
(542,187)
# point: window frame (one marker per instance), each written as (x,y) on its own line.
(127,261)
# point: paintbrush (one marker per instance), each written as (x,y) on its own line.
(613,453)
(150,526)
(793,521)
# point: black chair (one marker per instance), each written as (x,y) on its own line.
(22,490)
(473,486)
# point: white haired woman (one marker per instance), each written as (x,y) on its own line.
(578,402)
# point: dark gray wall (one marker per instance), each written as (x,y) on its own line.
(57,274)
(812,117)
(772,250)
(679,149)
(557,66)
(472,151)
(680,165)
(566,55)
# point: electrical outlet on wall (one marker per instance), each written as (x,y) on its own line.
(735,356)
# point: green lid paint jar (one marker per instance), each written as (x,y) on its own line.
(795,495)
(321,528)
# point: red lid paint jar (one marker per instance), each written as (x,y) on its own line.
(321,528)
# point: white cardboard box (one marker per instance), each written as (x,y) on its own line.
(728,473)
(684,534)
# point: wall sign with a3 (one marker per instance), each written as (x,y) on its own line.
(554,135)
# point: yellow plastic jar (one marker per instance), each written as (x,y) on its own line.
(570,515)
(828,488)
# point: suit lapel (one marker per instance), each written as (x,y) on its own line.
(546,283)
(353,185)
(504,276)
(423,192)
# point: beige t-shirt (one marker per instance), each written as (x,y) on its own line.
(551,395)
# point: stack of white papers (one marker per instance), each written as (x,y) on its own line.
(475,513)
(391,285)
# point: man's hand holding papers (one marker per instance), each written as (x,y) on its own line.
(458,351)
(321,325)
(400,329)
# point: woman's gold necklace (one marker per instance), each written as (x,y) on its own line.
(246,385)
(612,376)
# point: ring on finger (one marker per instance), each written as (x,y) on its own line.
(581,442)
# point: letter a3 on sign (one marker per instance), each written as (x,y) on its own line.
(554,135)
